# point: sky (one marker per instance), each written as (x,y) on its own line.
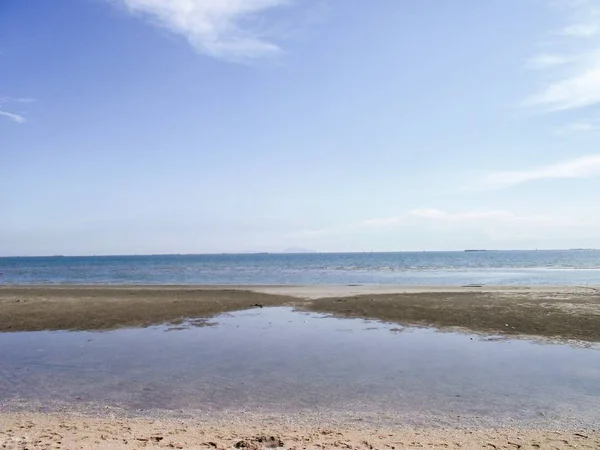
(201,126)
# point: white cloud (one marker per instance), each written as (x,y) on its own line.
(578,127)
(581,30)
(218,28)
(421,215)
(495,224)
(428,214)
(578,91)
(17,100)
(494,220)
(584,167)
(436,214)
(545,60)
(14,117)
(575,73)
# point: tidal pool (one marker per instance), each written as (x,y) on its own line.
(281,360)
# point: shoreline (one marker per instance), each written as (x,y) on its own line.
(556,312)
(251,431)
(317,291)
(550,311)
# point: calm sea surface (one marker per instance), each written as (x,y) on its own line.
(565,267)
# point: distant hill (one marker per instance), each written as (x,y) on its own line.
(297,250)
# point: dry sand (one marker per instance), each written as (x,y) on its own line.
(38,431)
(571,313)
(314,292)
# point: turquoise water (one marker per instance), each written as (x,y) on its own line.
(561,267)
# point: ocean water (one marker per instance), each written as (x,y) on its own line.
(278,360)
(561,267)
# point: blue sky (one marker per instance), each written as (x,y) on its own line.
(189,126)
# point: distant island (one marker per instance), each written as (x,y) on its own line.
(475,250)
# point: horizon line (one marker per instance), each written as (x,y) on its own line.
(468,250)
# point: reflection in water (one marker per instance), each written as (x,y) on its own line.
(276,359)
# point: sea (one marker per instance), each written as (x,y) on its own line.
(544,267)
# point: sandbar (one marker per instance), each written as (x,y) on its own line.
(568,313)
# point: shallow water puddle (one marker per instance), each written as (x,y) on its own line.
(277,359)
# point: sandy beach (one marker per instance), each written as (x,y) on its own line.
(68,431)
(569,313)
(557,313)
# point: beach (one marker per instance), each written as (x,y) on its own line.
(569,313)
(274,395)
(20,431)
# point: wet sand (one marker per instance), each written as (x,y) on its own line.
(105,308)
(557,312)
(551,312)
(557,315)
(19,431)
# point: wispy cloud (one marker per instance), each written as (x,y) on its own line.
(585,167)
(14,117)
(502,225)
(545,60)
(493,220)
(18,118)
(17,100)
(494,223)
(428,214)
(577,91)
(576,71)
(578,127)
(581,30)
(436,214)
(220,28)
